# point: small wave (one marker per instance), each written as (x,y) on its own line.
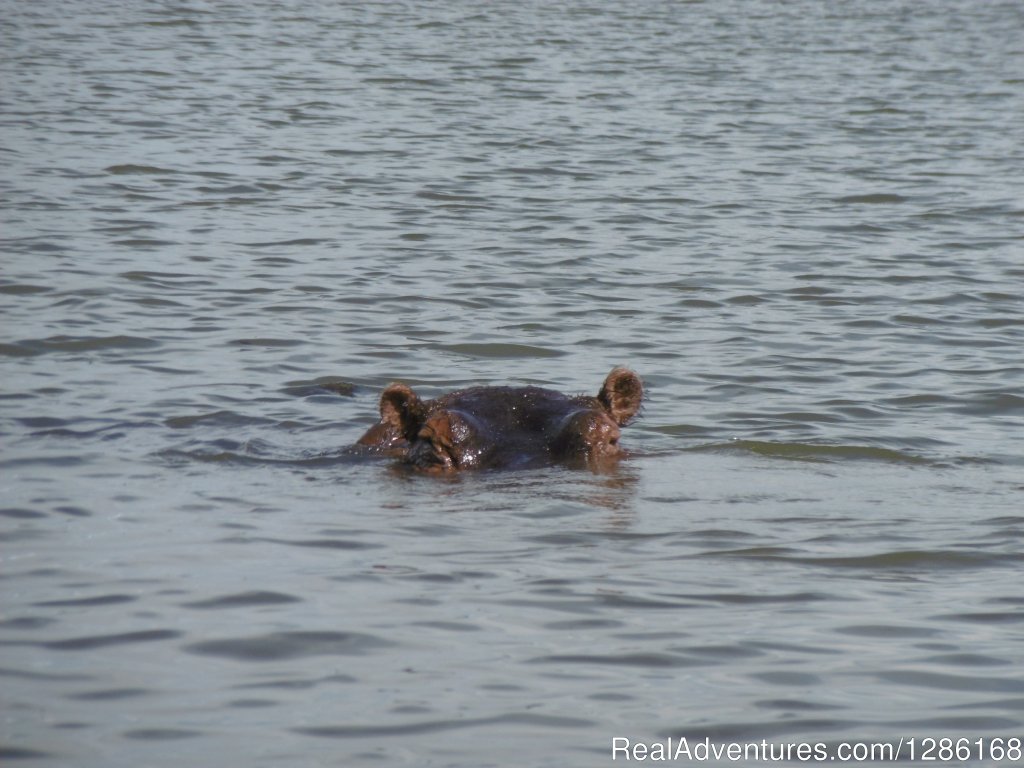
(530,720)
(87,602)
(643,660)
(129,169)
(498,350)
(18,513)
(256,453)
(744,732)
(813,451)
(17,350)
(161,734)
(278,646)
(210,457)
(288,243)
(163,279)
(67,460)
(109,694)
(325,543)
(244,600)
(86,343)
(299,684)
(318,387)
(887,631)
(728,598)
(46,677)
(267,342)
(987,617)
(949,682)
(22,753)
(882,563)
(103,641)
(216,418)
(992,404)
(23,289)
(879,198)
(144,242)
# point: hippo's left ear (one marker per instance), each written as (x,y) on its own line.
(621,395)
(402,408)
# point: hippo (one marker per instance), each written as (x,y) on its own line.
(505,427)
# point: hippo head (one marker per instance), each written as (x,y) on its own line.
(506,427)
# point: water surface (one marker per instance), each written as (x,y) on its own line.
(226,227)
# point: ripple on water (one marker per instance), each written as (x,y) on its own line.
(322,543)
(92,642)
(57,344)
(297,683)
(17,513)
(129,169)
(945,681)
(882,564)
(277,646)
(221,419)
(88,602)
(110,694)
(521,719)
(319,387)
(815,452)
(254,598)
(640,660)
(500,350)
(23,753)
(161,734)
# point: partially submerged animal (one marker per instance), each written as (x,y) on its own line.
(506,427)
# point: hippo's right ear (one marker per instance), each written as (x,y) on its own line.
(621,395)
(402,408)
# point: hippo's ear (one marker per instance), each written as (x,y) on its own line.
(621,395)
(402,408)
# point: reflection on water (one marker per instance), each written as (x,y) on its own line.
(224,232)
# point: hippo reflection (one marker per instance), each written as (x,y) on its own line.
(506,427)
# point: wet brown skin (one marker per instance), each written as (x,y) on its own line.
(506,427)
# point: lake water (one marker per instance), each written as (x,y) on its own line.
(226,227)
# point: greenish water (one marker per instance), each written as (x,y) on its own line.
(226,228)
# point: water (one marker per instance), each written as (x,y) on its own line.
(226,227)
